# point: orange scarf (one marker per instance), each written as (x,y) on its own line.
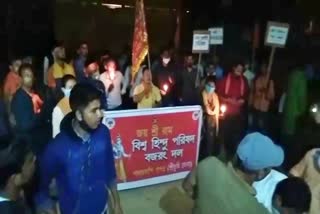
(228,83)
(64,105)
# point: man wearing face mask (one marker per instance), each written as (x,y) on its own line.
(164,74)
(233,93)
(25,108)
(212,109)
(227,189)
(81,160)
(187,83)
(63,106)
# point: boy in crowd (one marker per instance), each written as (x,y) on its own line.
(63,106)
(291,196)
(211,107)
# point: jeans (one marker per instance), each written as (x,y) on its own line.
(211,146)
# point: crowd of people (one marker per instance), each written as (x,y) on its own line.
(71,106)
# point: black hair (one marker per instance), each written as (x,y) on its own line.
(15,58)
(187,54)
(82,94)
(145,69)
(24,67)
(164,49)
(66,78)
(294,193)
(210,79)
(82,43)
(13,158)
(108,60)
(238,62)
(57,44)
(90,60)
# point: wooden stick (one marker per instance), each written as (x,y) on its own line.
(271,59)
(198,71)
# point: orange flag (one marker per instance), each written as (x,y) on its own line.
(140,45)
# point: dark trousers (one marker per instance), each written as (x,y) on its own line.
(232,131)
(260,121)
(211,145)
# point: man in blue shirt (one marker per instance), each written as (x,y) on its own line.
(79,62)
(81,160)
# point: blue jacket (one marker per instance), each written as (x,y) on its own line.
(22,109)
(79,66)
(82,170)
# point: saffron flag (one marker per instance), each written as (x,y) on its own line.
(140,45)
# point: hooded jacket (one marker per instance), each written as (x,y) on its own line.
(83,170)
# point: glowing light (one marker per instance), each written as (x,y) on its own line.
(112,75)
(223,109)
(112,6)
(165,87)
(314,110)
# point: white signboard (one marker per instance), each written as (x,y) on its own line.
(277,34)
(216,36)
(201,42)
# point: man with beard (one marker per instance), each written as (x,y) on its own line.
(81,160)
(189,91)
(59,69)
(164,74)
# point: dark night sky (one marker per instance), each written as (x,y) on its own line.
(206,12)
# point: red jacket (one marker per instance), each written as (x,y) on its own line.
(231,89)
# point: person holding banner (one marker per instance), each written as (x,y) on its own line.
(233,93)
(147,95)
(81,160)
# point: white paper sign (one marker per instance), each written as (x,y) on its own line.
(277,34)
(201,42)
(216,36)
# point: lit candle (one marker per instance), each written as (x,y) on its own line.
(223,109)
(112,75)
(165,87)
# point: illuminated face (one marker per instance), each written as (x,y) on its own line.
(111,66)
(16,65)
(83,50)
(27,78)
(147,77)
(92,114)
(189,60)
(238,70)
(61,53)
